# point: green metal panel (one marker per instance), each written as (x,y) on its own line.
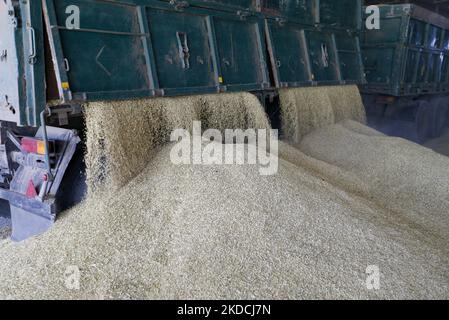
(300,11)
(378,71)
(323,57)
(341,14)
(350,57)
(390,32)
(168,28)
(417,33)
(230,5)
(312,56)
(241,52)
(108,45)
(288,52)
(147,48)
(22,81)
(445,69)
(143,48)
(408,55)
(336,14)
(445,44)
(434,37)
(34,63)
(313,42)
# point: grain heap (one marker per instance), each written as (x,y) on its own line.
(123,135)
(304,110)
(226,231)
(404,177)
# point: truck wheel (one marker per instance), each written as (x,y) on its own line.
(424,121)
(73,187)
(440,108)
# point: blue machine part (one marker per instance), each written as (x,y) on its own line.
(33,187)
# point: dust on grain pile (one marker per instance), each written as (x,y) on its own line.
(440,144)
(304,110)
(410,180)
(228,232)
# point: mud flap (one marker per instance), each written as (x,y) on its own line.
(26,224)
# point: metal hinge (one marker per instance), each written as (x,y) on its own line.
(179,5)
(243,14)
(184,51)
(324,55)
(281,21)
(12,14)
(4,55)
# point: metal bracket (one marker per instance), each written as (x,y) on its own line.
(281,21)
(32,57)
(324,55)
(243,14)
(179,5)
(4,55)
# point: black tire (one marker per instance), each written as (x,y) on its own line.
(73,187)
(424,121)
(440,108)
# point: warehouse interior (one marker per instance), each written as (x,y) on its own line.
(361,179)
(398,127)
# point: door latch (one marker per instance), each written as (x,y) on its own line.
(324,55)
(32,57)
(184,51)
(3,55)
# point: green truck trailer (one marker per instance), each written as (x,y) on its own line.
(407,70)
(57,55)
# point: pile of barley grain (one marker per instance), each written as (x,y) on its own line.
(304,110)
(227,232)
(123,135)
(214,231)
(410,180)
